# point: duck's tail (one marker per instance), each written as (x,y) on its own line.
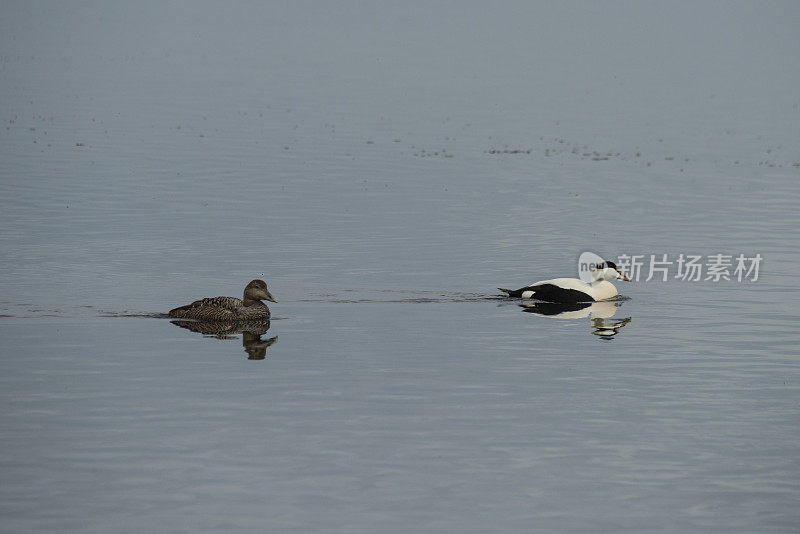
(180,312)
(513,293)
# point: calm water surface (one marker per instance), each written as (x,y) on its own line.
(385,169)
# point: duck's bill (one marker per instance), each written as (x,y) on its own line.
(624,277)
(266,295)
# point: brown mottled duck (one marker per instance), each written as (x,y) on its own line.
(230,308)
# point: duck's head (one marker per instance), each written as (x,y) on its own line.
(257,291)
(608,270)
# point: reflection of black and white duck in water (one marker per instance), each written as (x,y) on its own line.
(606,328)
(571,290)
(230,308)
(600,314)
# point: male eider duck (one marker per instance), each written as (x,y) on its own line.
(230,308)
(573,289)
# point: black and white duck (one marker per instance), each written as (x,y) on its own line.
(569,290)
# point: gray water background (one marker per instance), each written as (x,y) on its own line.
(152,154)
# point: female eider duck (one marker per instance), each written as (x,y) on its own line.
(230,308)
(569,290)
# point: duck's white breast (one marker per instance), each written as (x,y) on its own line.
(603,290)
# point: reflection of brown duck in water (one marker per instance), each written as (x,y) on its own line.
(256,347)
(251,331)
(230,309)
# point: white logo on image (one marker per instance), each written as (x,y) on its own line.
(586,263)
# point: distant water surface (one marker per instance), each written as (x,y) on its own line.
(385,169)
